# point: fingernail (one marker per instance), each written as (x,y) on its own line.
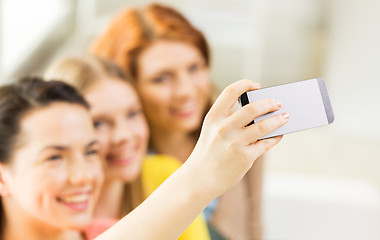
(285,115)
(278,104)
(257,85)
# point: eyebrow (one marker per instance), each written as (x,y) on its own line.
(164,69)
(92,143)
(57,147)
(62,148)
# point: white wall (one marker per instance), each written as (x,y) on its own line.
(353,66)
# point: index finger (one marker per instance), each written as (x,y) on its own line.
(230,94)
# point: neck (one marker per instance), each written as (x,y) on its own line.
(109,203)
(176,144)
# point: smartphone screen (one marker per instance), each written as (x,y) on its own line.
(307,103)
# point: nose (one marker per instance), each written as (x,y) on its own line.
(184,86)
(121,132)
(80,170)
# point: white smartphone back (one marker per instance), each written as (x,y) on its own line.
(307,103)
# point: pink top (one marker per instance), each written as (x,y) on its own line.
(97,227)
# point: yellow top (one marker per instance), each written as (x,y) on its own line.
(156,168)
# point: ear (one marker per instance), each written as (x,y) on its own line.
(4,173)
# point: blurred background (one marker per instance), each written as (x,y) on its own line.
(322,183)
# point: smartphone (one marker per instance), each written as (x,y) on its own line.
(307,103)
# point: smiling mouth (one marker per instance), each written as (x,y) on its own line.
(75,199)
(184,112)
(76,202)
(123,156)
(121,161)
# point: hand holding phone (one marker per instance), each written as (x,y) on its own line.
(307,102)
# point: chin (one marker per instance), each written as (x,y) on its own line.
(80,223)
(191,127)
(130,176)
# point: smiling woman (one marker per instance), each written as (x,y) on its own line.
(50,171)
(45,152)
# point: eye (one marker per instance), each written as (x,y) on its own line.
(194,67)
(98,123)
(134,113)
(162,78)
(92,152)
(55,157)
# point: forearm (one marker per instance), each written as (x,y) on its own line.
(166,213)
(225,151)
(255,186)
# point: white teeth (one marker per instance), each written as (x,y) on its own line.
(76,199)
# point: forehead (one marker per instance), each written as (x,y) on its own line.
(57,123)
(165,53)
(111,93)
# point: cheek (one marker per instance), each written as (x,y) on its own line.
(39,189)
(203,81)
(97,170)
(204,87)
(141,130)
(154,96)
(156,105)
(104,139)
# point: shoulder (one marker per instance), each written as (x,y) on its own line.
(97,227)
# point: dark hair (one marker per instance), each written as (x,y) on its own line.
(27,94)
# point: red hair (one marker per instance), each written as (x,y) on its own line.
(132,30)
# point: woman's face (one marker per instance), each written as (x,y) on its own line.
(55,174)
(174,85)
(120,126)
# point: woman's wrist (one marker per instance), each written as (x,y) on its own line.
(196,190)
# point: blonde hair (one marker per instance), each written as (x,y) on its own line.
(81,72)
